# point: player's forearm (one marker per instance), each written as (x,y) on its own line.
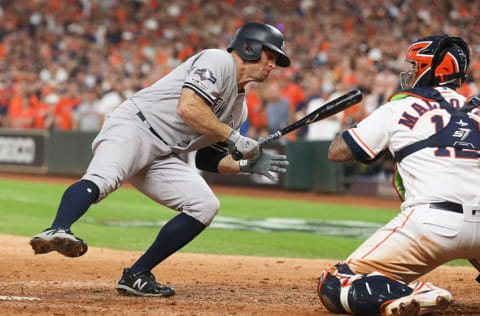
(205,122)
(339,151)
(198,115)
(228,166)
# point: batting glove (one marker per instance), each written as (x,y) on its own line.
(242,147)
(265,163)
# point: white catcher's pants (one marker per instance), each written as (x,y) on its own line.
(418,240)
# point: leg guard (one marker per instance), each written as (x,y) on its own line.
(342,291)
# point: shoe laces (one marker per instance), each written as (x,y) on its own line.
(422,287)
(66,230)
(55,230)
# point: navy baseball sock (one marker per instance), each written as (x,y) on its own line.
(178,232)
(75,202)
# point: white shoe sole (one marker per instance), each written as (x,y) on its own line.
(440,304)
(402,307)
(418,304)
(126,290)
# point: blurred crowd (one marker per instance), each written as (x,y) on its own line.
(65,64)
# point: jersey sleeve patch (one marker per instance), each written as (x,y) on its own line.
(359,149)
(204,82)
(202,74)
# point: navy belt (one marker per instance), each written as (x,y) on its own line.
(142,117)
(447,206)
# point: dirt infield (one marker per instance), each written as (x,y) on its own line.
(205,284)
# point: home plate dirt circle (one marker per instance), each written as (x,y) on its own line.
(205,284)
(52,284)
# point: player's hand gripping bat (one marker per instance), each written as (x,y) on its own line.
(328,109)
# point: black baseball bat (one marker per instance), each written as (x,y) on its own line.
(330,108)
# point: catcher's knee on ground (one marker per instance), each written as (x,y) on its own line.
(342,291)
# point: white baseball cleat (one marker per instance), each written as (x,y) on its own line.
(425,299)
(60,240)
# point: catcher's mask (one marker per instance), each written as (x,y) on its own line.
(249,40)
(436,60)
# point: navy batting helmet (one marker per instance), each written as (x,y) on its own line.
(251,37)
(436,60)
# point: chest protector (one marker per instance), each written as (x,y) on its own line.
(461,132)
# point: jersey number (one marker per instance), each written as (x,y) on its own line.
(437,120)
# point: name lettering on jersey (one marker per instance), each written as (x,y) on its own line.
(410,120)
(420,109)
(430,105)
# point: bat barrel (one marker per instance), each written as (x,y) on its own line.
(330,108)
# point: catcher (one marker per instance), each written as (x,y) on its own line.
(434,136)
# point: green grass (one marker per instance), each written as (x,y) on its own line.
(26,208)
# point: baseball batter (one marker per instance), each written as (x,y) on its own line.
(434,136)
(199,106)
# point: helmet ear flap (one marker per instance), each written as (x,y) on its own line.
(252,50)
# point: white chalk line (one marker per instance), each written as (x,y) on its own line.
(19,298)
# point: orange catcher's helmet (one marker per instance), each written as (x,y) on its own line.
(436,60)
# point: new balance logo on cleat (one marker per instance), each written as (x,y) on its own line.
(60,240)
(139,285)
(142,284)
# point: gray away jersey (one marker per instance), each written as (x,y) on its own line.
(212,74)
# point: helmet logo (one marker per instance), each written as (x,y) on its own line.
(282,47)
(248,49)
